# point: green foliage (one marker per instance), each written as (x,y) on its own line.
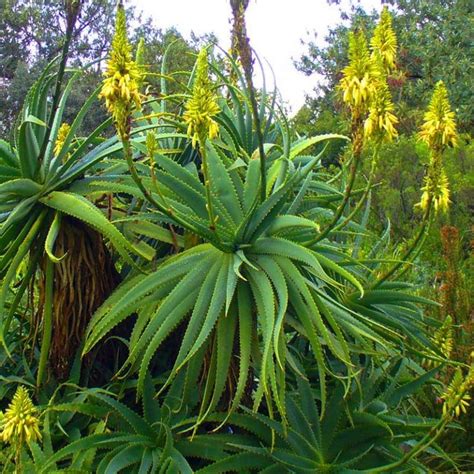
(434,44)
(356,432)
(268,335)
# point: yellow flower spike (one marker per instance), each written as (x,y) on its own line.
(358,81)
(439,128)
(20,421)
(381,121)
(443,339)
(436,188)
(61,138)
(456,397)
(122,78)
(140,54)
(438,131)
(151,145)
(202,107)
(384,42)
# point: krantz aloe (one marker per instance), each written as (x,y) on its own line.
(262,329)
(256,276)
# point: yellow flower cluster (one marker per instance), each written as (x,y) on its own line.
(61,138)
(436,188)
(122,78)
(443,338)
(20,421)
(358,81)
(202,107)
(456,397)
(364,82)
(439,127)
(381,121)
(438,131)
(384,42)
(151,145)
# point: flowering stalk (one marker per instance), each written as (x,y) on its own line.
(122,77)
(410,253)
(366,93)
(120,91)
(438,132)
(19,423)
(151,148)
(442,340)
(241,44)
(456,401)
(201,109)
(72,8)
(379,126)
(358,87)
(384,42)
(140,61)
(367,189)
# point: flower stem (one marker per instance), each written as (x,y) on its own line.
(419,239)
(207,184)
(168,211)
(364,195)
(242,44)
(357,127)
(47,322)
(71,20)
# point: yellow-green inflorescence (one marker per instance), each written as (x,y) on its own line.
(381,120)
(140,61)
(435,188)
(457,397)
(364,82)
(20,422)
(202,107)
(439,127)
(358,81)
(438,132)
(384,42)
(122,78)
(443,339)
(63,132)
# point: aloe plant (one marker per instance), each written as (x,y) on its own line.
(50,229)
(122,439)
(362,430)
(252,282)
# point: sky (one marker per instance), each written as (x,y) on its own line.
(275,29)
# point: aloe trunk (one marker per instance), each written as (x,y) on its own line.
(83,279)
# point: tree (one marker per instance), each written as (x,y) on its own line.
(31,35)
(435,44)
